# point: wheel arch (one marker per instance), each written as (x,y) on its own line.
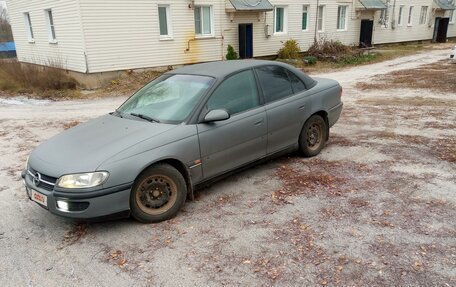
(324,115)
(180,166)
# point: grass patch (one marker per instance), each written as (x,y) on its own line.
(37,81)
(437,77)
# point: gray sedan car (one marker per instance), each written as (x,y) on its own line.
(184,129)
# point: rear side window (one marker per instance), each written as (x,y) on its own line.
(236,94)
(275,83)
(296,83)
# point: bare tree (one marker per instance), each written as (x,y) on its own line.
(6,34)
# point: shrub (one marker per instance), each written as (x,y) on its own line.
(290,50)
(231,55)
(27,78)
(310,60)
(329,49)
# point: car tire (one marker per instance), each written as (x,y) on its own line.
(313,136)
(157,194)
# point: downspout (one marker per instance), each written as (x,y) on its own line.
(393,16)
(316,22)
(86,61)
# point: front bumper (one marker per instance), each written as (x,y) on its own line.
(83,205)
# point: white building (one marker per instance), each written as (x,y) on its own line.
(94,36)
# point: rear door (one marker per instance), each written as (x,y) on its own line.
(287,106)
(226,145)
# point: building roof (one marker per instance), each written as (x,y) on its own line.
(446,4)
(372,4)
(7,47)
(252,5)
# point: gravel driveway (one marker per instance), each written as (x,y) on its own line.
(377,207)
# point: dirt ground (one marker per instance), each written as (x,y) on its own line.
(375,208)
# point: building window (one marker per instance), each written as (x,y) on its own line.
(401,15)
(452,16)
(342,18)
(410,16)
(28,24)
(50,26)
(423,14)
(320,18)
(203,20)
(305,17)
(280,20)
(164,19)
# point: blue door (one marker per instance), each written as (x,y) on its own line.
(245,41)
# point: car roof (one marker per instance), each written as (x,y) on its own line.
(220,69)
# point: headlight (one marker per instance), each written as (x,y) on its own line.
(82,180)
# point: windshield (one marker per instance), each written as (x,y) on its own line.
(169,98)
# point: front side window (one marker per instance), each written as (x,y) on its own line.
(320,18)
(342,18)
(50,26)
(401,15)
(236,94)
(203,20)
(28,24)
(280,25)
(169,98)
(305,17)
(275,83)
(423,15)
(164,19)
(410,16)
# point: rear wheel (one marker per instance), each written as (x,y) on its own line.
(313,136)
(157,194)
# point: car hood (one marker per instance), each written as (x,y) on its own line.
(84,147)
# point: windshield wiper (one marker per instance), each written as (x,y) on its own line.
(117,113)
(144,117)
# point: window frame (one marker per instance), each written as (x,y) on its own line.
(284,20)
(345,24)
(452,17)
(211,20)
(307,12)
(169,26)
(29,27)
(261,88)
(50,25)
(423,15)
(400,18)
(259,93)
(410,17)
(323,12)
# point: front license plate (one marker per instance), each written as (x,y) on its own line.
(38,197)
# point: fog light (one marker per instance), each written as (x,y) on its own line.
(62,205)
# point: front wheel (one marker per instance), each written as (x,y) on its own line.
(313,136)
(157,194)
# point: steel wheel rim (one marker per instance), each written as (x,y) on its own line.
(314,136)
(156,194)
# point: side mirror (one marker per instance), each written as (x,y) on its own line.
(216,115)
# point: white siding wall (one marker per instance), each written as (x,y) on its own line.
(405,32)
(126,34)
(119,34)
(68,52)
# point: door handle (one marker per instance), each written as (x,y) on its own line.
(302,107)
(259,122)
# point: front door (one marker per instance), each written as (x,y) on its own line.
(365,38)
(228,144)
(440,30)
(245,41)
